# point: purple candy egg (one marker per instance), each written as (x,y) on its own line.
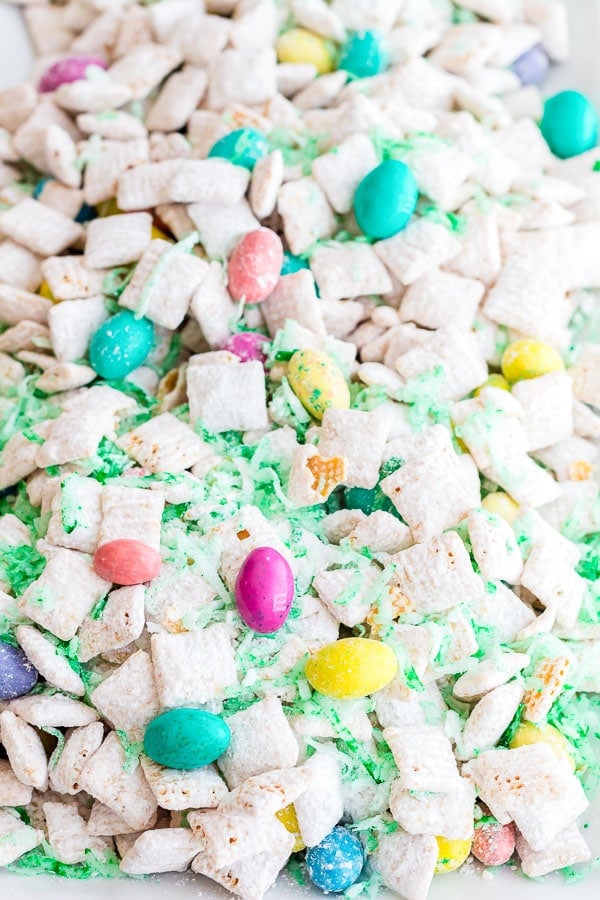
(17,675)
(532,67)
(247,345)
(67,70)
(264,590)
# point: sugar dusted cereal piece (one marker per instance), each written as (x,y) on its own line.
(128,697)
(221,227)
(12,791)
(294,298)
(546,683)
(244,76)
(346,593)
(547,404)
(164,444)
(313,476)
(494,547)
(450,814)
(567,849)
(16,838)
(406,862)
(360,437)
(439,297)
(116,240)
(39,228)
(67,834)
(121,622)
(45,657)
(347,270)
(61,156)
(489,674)
(212,388)
(490,718)
(424,758)
(106,165)
(130,513)
(209,181)
(176,789)
(163,850)
(267,178)
(24,749)
(340,173)
(193,668)
(53,711)
(320,807)
(178,99)
(306,213)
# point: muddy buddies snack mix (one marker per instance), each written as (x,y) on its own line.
(299,420)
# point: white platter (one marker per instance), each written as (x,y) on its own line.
(583,73)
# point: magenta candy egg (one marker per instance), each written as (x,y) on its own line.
(67,70)
(264,590)
(255,266)
(247,345)
(126,561)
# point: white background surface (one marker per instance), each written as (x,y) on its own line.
(583,73)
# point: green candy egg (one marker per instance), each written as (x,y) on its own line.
(120,345)
(243,147)
(385,199)
(186,738)
(569,124)
(363,55)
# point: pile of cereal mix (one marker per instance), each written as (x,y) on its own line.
(299,411)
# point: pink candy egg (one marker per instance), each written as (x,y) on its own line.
(127,562)
(255,266)
(264,590)
(67,70)
(247,345)
(493,844)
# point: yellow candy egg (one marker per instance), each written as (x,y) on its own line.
(496,381)
(298,45)
(108,208)
(451,854)
(159,234)
(44,291)
(351,668)
(317,382)
(529,359)
(528,733)
(289,820)
(501,505)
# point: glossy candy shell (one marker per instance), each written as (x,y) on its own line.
(67,70)
(120,345)
(17,674)
(385,200)
(126,561)
(247,345)
(299,45)
(363,55)
(243,147)
(351,668)
(532,67)
(264,590)
(186,738)
(493,844)
(317,382)
(335,863)
(255,266)
(569,124)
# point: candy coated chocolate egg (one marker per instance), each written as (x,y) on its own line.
(67,70)
(501,505)
(243,147)
(247,345)
(120,345)
(569,124)
(292,264)
(335,863)
(351,668)
(363,54)
(126,561)
(493,843)
(451,854)
(385,199)
(288,818)
(186,738)
(255,265)
(543,733)
(264,590)
(317,382)
(532,67)
(17,675)
(299,45)
(529,359)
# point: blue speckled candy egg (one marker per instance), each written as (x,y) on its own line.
(335,863)
(120,345)
(363,55)
(186,738)
(17,675)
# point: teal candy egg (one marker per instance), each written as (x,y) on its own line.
(243,147)
(186,738)
(569,124)
(120,345)
(385,199)
(363,54)
(292,264)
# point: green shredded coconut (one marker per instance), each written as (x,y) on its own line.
(132,751)
(20,566)
(43,862)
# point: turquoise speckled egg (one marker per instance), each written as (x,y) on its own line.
(569,124)
(363,54)
(120,345)
(186,738)
(243,147)
(385,199)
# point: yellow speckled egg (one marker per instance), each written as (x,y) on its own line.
(317,382)
(351,668)
(528,733)
(529,359)
(289,820)
(298,45)
(451,854)
(494,380)
(502,505)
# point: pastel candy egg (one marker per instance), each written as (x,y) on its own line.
(120,345)
(543,733)
(126,561)
(288,818)
(385,199)
(569,124)
(186,738)
(351,668)
(67,70)
(494,380)
(298,45)
(292,264)
(243,147)
(264,590)
(451,854)
(247,345)
(17,675)
(363,54)
(493,843)
(529,359)
(255,266)
(532,67)
(335,863)
(317,382)
(501,505)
